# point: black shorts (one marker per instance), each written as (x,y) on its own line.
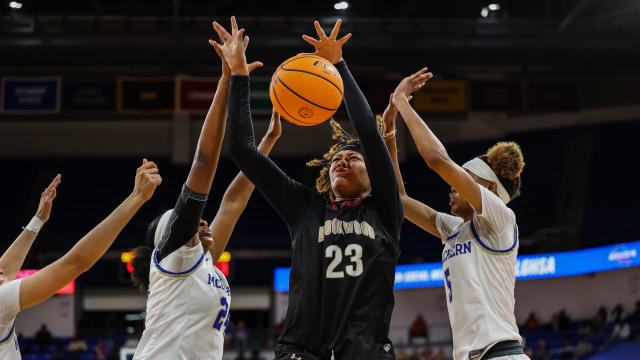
(385,352)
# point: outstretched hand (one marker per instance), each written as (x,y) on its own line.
(46,199)
(328,47)
(147,179)
(233,49)
(410,84)
(224,38)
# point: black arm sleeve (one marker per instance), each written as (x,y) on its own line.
(384,186)
(282,192)
(183,222)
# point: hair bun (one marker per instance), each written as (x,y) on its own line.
(506,160)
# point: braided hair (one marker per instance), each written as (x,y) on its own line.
(323,182)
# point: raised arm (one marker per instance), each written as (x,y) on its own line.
(237,196)
(12,259)
(418,213)
(429,147)
(92,246)
(207,154)
(379,167)
(193,197)
(282,192)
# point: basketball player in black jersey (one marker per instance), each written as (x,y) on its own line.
(344,236)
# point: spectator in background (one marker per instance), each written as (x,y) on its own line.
(598,321)
(564,321)
(617,314)
(43,336)
(635,317)
(532,323)
(77,345)
(541,352)
(621,331)
(101,352)
(584,348)
(419,330)
(242,336)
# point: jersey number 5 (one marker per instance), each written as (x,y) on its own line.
(223,316)
(446,279)
(335,252)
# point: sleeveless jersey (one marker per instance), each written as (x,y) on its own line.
(478,264)
(341,282)
(187,308)
(9,308)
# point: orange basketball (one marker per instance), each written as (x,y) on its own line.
(306,90)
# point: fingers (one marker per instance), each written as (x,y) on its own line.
(55,182)
(222,33)
(216,48)
(245,42)
(336,29)
(234,26)
(319,30)
(344,39)
(254,65)
(147,165)
(310,40)
(156,179)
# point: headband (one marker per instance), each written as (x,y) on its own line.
(353,147)
(484,171)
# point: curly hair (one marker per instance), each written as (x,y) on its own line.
(323,182)
(506,160)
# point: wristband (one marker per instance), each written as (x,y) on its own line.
(34,225)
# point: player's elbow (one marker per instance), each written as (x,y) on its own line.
(436,161)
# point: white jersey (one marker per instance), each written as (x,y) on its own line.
(187,308)
(9,308)
(478,263)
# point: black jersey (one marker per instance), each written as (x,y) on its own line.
(343,254)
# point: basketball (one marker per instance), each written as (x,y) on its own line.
(306,90)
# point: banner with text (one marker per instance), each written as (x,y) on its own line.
(539,266)
(82,95)
(30,95)
(146,95)
(442,96)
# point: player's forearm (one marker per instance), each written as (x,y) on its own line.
(209,146)
(12,260)
(429,147)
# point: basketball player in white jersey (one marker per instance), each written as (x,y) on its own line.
(189,299)
(480,240)
(16,295)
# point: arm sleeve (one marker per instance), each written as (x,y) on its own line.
(283,193)
(384,185)
(183,222)
(446,224)
(498,219)
(9,303)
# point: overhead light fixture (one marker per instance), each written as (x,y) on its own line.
(342,5)
(485,12)
(494,7)
(15,5)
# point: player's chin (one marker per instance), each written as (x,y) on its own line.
(206,241)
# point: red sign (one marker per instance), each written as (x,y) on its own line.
(68,289)
(195,94)
(223,267)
